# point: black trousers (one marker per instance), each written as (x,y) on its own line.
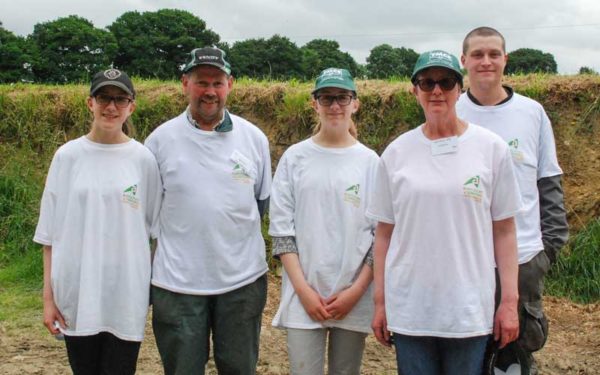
(102,354)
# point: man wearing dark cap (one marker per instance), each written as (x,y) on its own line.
(209,272)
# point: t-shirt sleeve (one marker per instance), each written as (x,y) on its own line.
(45,229)
(262,187)
(547,159)
(154,197)
(281,213)
(381,203)
(506,197)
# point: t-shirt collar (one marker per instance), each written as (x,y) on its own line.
(509,91)
(225,125)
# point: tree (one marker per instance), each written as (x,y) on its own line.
(15,57)
(157,44)
(587,70)
(276,58)
(385,61)
(528,60)
(319,54)
(71,49)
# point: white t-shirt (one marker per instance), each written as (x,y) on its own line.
(210,240)
(98,211)
(320,196)
(524,125)
(439,269)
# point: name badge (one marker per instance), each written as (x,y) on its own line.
(444,146)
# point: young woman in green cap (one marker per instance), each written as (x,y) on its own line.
(445,200)
(99,208)
(322,237)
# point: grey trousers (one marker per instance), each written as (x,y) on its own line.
(306,351)
(533,323)
(183,325)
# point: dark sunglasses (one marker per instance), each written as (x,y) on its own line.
(120,101)
(446,84)
(327,100)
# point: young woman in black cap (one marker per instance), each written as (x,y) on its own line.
(99,208)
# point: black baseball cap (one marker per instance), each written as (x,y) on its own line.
(112,77)
(208,56)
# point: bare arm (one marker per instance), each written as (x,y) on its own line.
(506,320)
(340,304)
(313,303)
(51,313)
(383,235)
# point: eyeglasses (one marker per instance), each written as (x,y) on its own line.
(327,100)
(446,84)
(120,101)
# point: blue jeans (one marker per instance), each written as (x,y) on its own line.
(426,355)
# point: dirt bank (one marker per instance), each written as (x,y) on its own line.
(573,347)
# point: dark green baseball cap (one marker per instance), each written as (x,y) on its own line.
(335,77)
(436,59)
(208,56)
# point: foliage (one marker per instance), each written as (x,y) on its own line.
(528,60)
(273,58)
(385,61)
(21,182)
(71,49)
(156,44)
(587,70)
(15,58)
(577,272)
(319,54)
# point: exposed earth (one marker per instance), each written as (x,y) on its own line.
(573,346)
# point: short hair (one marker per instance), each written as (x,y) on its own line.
(482,31)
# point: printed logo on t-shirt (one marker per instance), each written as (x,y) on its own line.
(351,195)
(517,154)
(130,198)
(471,189)
(240,174)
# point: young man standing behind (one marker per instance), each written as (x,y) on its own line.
(542,226)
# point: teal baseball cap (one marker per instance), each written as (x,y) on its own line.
(208,56)
(335,77)
(436,59)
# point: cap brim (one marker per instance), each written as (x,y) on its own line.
(112,83)
(334,85)
(415,74)
(228,72)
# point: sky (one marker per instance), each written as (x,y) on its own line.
(570,30)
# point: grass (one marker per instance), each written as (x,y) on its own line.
(576,274)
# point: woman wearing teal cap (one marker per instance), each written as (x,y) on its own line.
(322,237)
(445,199)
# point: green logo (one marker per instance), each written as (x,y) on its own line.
(129,196)
(351,195)
(471,189)
(240,174)
(473,180)
(514,143)
(132,190)
(354,189)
